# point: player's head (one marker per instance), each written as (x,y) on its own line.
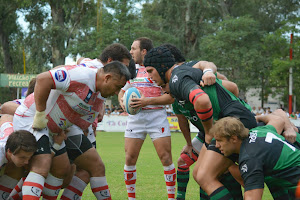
(31,86)
(115,52)
(114,77)
(175,51)
(20,146)
(139,49)
(158,61)
(229,133)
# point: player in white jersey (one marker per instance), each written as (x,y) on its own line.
(152,120)
(16,149)
(113,52)
(63,97)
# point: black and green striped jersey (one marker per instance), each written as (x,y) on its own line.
(265,156)
(185,78)
(187,109)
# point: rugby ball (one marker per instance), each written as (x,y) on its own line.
(131,93)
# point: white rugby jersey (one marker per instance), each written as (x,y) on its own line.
(5,130)
(145,85)
(93,63)
(73,101)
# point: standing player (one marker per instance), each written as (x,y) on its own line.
(264,156)
(151,120)
(209,102)
(16,149)
(63,97)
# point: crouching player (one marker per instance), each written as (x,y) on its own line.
(264,156)
(16,149)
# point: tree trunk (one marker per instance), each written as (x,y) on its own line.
(8,62)
(58,32)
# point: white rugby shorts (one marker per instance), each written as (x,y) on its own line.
(152,122)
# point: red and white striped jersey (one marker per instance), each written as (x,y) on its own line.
(73,101)
(5,130)
(145,85)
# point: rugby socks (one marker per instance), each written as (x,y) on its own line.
(7,184)
(203,195)
(130,179)
(183,173)
(33,186)
(183,176)
(100,188)
(17,191)
(232,186)
(52,187)
(220,193)
(74,189)
(170,178)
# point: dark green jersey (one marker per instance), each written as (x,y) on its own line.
(185,79)
(187,109)
(266,157)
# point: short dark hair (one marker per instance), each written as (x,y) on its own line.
(145,43)
(31,86)
(117,68)
(116,51)
(175,51)
(21,140)
(132,68)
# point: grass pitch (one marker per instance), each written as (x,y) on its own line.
(150,180)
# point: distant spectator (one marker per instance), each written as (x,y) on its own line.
(293,115)
(254,110)
(115,112)
(114,107)
(298,114)
(268,110)
(107,109)
(260,110)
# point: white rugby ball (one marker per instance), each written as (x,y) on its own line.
(131,93)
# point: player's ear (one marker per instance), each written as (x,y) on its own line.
(109,60)
(107,77)
(234,138)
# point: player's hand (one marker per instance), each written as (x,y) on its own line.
(40,121)
(290,135)
(209,78)
(60,137)
(139,102)
(187,149)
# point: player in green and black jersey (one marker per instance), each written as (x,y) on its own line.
(209,102)
(264,156)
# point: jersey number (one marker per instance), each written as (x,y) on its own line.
(271,136)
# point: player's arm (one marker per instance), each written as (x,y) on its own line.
(164,99)
(209,69)
(9,108)
(120,99)
(289,130)
(255,194)
(221,76)
(203,107)
(185,129)
(43,86)
(232,87)
(273,120)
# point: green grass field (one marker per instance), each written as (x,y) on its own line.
(150,180)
